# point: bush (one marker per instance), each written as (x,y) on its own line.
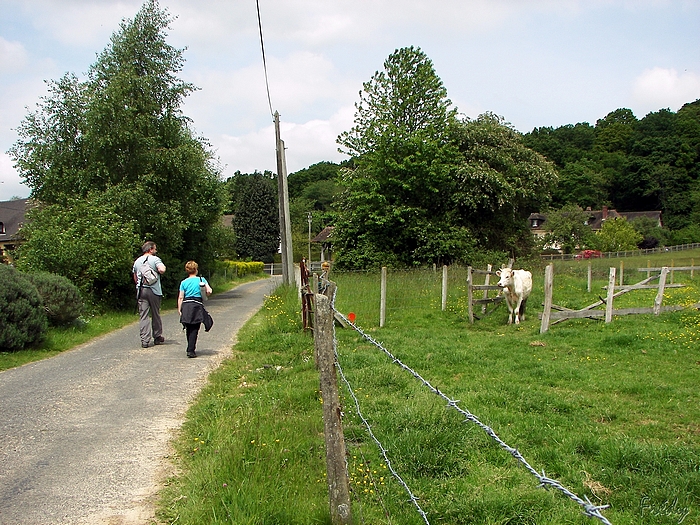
(240,268)
(60,297)
(22,319)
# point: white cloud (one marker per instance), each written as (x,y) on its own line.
(79,23)
(13,56)
(665,88)
(305,144)
(10,183)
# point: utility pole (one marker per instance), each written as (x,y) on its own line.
(309,217)
(283,194)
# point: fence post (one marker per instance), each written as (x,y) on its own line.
(622,272)
(382,299)
(444,288)
(611,296)
(589,276)
(336,467)
(470,295)
(672,265)
(486,283)
(648,266)
(692,267)
(548,287)
(660,294)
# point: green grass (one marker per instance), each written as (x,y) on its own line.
(60,339)
(612,411)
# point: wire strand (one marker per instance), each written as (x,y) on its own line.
(262,48)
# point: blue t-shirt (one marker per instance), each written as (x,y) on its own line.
(191,286)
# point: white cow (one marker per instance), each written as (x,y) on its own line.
(517,285)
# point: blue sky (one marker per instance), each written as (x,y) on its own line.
(533,62)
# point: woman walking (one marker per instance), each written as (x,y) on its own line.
(189,304)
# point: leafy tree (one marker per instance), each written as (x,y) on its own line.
(399,189)
(568,229)
(617,235)
(428,187)
(256,217)
(652,234)
(498,182)
(120,142)
(86,242)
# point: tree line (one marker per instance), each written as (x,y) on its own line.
(112,161)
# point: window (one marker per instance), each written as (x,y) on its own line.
(2,227)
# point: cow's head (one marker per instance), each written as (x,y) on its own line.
(506,275)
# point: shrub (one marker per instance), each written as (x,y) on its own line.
(60,297)
(22,318)
(240,268)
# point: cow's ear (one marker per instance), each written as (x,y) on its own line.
(498,272)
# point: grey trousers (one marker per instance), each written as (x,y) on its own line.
(149,303)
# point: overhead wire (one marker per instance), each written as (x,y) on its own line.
(262,47)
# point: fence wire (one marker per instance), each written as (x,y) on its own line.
(589,509)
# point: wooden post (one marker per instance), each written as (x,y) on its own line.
(672,265)
(548,290)
(622,272)
(444,288)
(692,267)
(382,299)
(486,283)
(648,266)
(611,296)
(284,216)
(590,275)
(470,295)
(336,470)
(660,294)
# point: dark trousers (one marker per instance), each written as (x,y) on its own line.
(192,331)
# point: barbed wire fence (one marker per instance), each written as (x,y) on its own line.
(589,509)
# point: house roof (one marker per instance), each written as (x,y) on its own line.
(11,217)
(325,235)
(596,218)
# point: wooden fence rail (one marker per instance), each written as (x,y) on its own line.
(554,314)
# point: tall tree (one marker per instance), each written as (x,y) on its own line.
(395,197)
(256,217)
(498,182)
(119,140)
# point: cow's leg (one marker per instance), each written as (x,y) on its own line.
(522,309)
(510,309)
(517,310)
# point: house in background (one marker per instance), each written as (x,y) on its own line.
(325,240)
(11,219)
(596,219)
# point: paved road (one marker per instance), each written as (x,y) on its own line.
(84,435)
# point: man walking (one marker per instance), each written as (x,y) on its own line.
(149,296)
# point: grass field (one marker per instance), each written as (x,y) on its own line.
(609,410)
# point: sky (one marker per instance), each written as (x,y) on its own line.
(533,62)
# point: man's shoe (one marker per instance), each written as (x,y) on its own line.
(144,345)
(159,340)
(191,354)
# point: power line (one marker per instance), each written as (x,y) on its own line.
(262,47)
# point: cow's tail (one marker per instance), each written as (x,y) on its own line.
(521,312)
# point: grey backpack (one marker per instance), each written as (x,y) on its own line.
(148,274)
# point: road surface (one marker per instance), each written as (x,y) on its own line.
(84,436)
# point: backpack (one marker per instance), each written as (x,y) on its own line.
(148,274)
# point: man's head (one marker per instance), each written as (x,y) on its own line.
(148,246)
